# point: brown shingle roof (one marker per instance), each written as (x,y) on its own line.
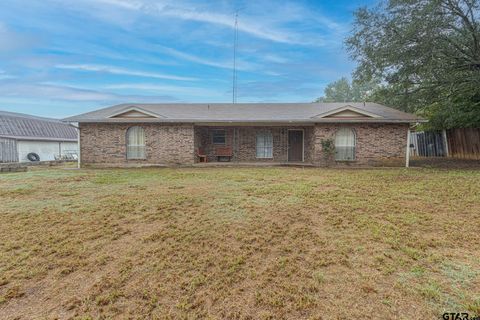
(245,112)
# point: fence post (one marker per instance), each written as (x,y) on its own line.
(445,142)
(407,155)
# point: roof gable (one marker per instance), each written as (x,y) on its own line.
(135,113)
(347,112)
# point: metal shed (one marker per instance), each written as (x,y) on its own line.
(21,134)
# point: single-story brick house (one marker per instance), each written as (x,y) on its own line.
(364,134)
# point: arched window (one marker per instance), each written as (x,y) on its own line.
(345,144)
(135,143)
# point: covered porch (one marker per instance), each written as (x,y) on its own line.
(258,144)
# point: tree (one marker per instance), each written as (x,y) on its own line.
(344,91)
(426,55)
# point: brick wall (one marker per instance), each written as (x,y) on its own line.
(171,144)
(105,144)
(242,140)
(376,144)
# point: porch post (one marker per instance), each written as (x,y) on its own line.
(407,155)
(234,144)
(78,146)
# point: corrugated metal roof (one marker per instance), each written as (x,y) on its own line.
(244,112)
(27,127)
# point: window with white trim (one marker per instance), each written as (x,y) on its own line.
(345,144)
(264,145)
(135,143)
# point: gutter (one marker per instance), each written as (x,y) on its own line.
(23,138)
(246,121)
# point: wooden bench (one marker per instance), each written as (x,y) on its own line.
(202,156)
(223,152)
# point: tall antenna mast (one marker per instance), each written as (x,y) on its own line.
(234,73)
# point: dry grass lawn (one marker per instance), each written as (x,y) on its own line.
(243,243)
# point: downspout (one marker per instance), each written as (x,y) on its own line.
(78,146)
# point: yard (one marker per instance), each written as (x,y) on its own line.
(239,243)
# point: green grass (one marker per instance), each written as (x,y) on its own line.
(239,243)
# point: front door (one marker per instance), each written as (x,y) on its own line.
(295,145)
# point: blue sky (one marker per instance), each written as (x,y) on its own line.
(60,58)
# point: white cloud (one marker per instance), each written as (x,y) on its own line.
(274,58)
(254,28)
(273,73)
(260,26)
(151,87)
(241,65)
(124,4)
(4,75)
(67,93)
(193,58)
(52,92)
(116,70)
(13,41)
(96,51)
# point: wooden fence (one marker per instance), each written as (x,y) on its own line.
(8,150)
(464,143)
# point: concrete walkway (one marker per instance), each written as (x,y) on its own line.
(253,164)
